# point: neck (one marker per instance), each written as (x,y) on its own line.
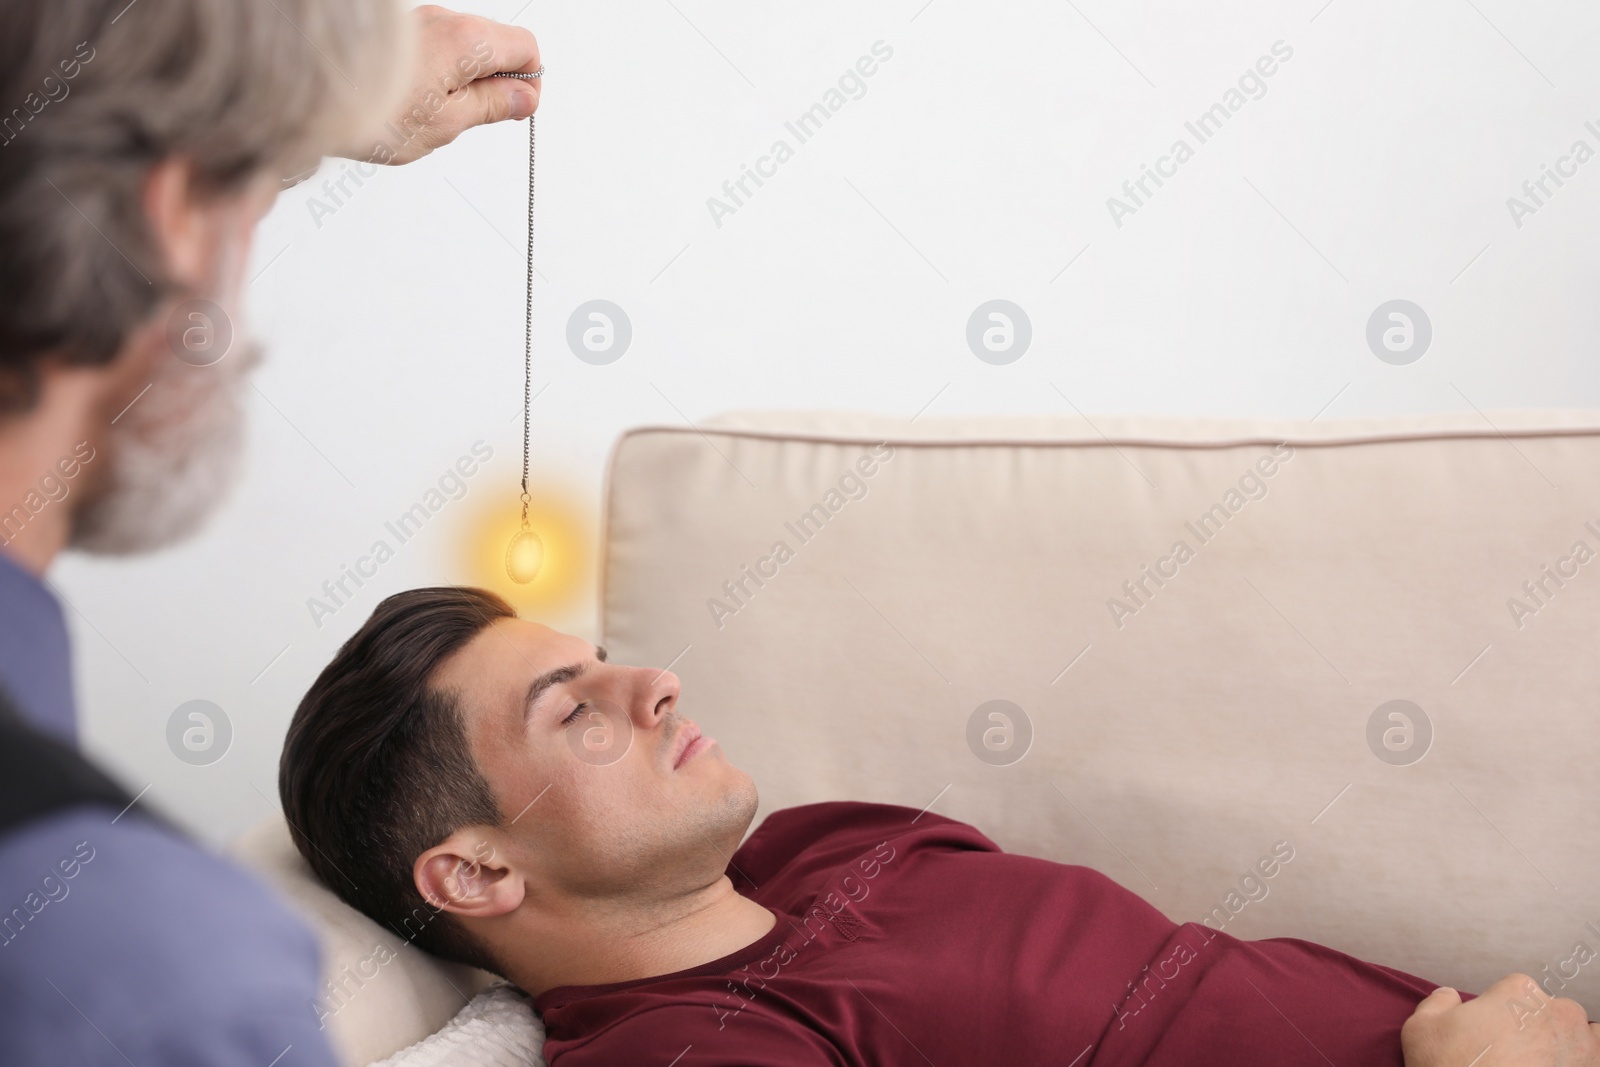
(52,456)
(37,450)
(596,943)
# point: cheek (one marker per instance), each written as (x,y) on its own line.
(602,806)
(586,823)
(525,781)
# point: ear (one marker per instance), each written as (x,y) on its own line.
(468,874)
(176,221)
(192,228)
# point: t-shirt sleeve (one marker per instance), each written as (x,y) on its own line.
(751,1040)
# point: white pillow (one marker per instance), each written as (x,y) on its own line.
(497,1028)
(380,993)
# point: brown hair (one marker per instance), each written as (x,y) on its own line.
(95,92)
(376,768)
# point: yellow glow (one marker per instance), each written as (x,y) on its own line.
(562,578)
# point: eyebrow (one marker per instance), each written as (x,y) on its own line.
(555,677)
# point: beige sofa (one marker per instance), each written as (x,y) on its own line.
(1195,631)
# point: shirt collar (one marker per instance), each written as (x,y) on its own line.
(35,656)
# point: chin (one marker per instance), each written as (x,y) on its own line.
(738,802)
(171,461)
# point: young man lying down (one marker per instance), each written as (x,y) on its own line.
(504,796)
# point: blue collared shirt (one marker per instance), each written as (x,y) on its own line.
(152,950)
(35,660)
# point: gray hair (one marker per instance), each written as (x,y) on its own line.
(93,93)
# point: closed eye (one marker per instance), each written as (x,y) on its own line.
(570,719)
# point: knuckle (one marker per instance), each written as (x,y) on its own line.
(1514,983)
(464,29)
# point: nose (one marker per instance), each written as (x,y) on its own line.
(657,697)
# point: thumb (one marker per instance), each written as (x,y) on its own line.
(1439,1001)
(497,99)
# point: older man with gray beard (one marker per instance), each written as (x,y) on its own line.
(142,144)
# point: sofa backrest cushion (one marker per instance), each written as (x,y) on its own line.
(1358,655)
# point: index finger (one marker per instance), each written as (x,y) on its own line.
(512,48)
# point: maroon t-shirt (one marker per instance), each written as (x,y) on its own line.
(907,938)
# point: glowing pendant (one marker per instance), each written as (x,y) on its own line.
(524,557)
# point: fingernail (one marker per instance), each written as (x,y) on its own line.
(521,104)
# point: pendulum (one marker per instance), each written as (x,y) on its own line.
(525,553)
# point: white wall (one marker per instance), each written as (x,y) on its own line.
(976,166)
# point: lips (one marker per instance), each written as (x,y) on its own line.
(688,734)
